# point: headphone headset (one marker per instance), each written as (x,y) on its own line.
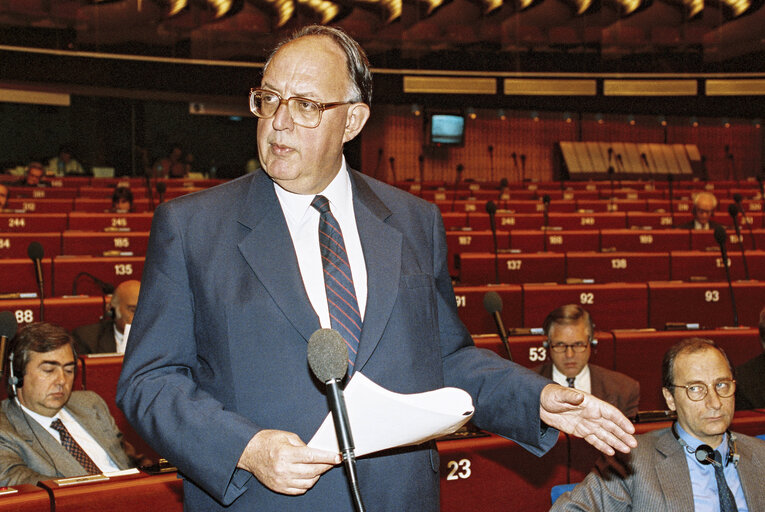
(705,454)
(16,376)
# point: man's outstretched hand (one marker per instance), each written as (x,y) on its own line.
(582,415)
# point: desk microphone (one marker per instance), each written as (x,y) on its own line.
(161,188)
(738,199)
(491,209)
(492,302)
(546,203)
(720,237)
(36,253)
(392,162)
(733,211)
(328,359)
(460,168)
(8,327)
(670,181)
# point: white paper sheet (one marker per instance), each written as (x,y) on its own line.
(381,419)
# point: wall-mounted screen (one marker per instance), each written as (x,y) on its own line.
(446,129)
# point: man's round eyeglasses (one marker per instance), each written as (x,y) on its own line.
(304,112)
(697,392)
(561,347)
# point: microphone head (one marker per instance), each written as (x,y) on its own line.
(8,324)
(737,197)
(35,251)
(327,355)
(392,159)
(420,158)
(720,236)
(610,151)
(546,199)
(491,208)
(460,168)
(491,148)
(670,178)
(733,210)
(492,302)
(503,183)
(523,158)
(161,187)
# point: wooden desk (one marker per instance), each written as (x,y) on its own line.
(18,276)
(15,245)
(629,267)
(110,269)
(81,221)
(32,222)
(475,317)
(81,243)
(29,499)
(68,312)
(478,268)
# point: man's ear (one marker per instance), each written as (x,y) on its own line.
(357,116)
(669,398)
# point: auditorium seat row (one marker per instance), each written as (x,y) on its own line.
(76,243)
(634,352)
(591,205)
(83,221)
(616,305)
(100,192)
(605,267)
(499,196)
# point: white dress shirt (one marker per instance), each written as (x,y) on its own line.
(94,450)
(303,223)
(581,381)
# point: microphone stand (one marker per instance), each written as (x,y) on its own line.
(392,162)
(491,209)
(734,211)
(670,181)
(344,438)
(421,162)
(546,203)
(491,163)
(456,184)
(515,164)
(737,198)
(720,236)
(379,161)
(523,167)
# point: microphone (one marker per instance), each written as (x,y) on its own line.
(670,181)
(328,360)
(8,327)
(392,163)
(733,211)
(491,162)
(738,199)
(36,253)
(720,237)
(523,167)
(491,209)
(106,288)
(492,302)
(161,188)
(515,163)
(546,202)
(421,162)
(460,168)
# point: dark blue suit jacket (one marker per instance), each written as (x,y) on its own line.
(218,346)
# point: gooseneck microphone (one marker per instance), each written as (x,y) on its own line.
(738,199)
(328,359)
(36,253)
(392,162)
(514,156)
(733,211)
(670,181)
(8,327)
(106,288)
(460,168)
(491,209)
(492,302)
(491,162)
(421,164)
(720,237)
(546,203)
(161,188)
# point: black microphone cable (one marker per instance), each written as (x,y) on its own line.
(720,237)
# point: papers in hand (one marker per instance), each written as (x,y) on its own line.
(381,419)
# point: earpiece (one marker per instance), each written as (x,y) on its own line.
(13,380)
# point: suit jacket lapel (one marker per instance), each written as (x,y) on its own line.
(274,263)
(42,443)
(673,475)
(382,254)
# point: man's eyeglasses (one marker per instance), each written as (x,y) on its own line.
(697,392)
(304,112)
(561,347)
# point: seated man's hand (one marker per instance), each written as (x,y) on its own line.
(283,463)
(581,414)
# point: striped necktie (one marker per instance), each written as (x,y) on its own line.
(341,295)
(68,442)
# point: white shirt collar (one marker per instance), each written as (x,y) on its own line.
(339,193)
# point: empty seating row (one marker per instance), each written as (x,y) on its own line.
(122,181)
(637,353)
(606,267)
(501,195)
(588,205)
(62,274)
(76,243)
(617,305)
(102,193)
(83,221)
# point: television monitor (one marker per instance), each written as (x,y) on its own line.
(446,129)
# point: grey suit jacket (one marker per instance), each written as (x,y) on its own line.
(616,388)
(218,346)
(29,454)
(655,477)
(95,338)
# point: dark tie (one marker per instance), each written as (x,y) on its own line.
(727,502)
(75,449)
(341,294)
(570,381)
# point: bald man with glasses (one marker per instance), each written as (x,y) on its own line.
(697,463)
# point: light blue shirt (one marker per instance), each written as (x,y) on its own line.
(705,497)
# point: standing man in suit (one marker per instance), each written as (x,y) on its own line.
(704,205)
(215,374)
(108,335)
(750,377)
(46,430)
(697,464)
(569,330)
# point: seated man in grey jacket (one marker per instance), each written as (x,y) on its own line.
(46,430)
(697,463)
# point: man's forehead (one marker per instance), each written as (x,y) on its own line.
(701,365)
(61,355)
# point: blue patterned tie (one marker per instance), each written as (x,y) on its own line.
(341,295)
(727,501)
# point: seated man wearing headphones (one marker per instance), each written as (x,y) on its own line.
(46,430)
(697,463)
(569,330)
